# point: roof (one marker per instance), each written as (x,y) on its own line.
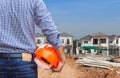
(119,36)
(38,35)
(88,37)
(99,34)
(61,34)
(65,35)
(113,36)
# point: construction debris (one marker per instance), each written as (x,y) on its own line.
(99,61)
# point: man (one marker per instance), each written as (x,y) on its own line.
(17,28)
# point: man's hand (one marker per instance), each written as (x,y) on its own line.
(62,59)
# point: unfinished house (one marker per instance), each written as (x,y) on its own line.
(67,41)
(99,43)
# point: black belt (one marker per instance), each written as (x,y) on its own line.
(10,55)
(13,55)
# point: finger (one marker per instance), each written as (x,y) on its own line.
(60,67)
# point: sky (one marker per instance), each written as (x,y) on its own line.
(85,17)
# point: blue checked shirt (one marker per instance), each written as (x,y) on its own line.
(18,19)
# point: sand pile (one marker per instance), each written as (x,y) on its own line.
(73,70)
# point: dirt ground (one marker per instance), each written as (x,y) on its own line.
(74,70)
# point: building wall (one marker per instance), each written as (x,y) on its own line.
(101,44)
(119,45)
(67,41)
(42,41)
(64,40)
(114,41)
(86,44)
(119,41)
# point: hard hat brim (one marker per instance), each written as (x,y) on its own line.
(41,64)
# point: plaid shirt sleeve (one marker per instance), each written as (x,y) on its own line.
(44,20)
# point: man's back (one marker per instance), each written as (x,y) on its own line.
(17,28)
(17,25)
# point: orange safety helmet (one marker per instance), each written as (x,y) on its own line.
(46,56)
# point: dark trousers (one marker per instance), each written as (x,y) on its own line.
(16,68)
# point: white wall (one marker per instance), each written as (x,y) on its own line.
(65,43)
(105,44)
(119,41)
(86,44)
(65,40)
(43,41)
(101,44)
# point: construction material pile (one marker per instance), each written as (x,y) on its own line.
(100,61)
(78,70)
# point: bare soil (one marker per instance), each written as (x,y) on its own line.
(74,70)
